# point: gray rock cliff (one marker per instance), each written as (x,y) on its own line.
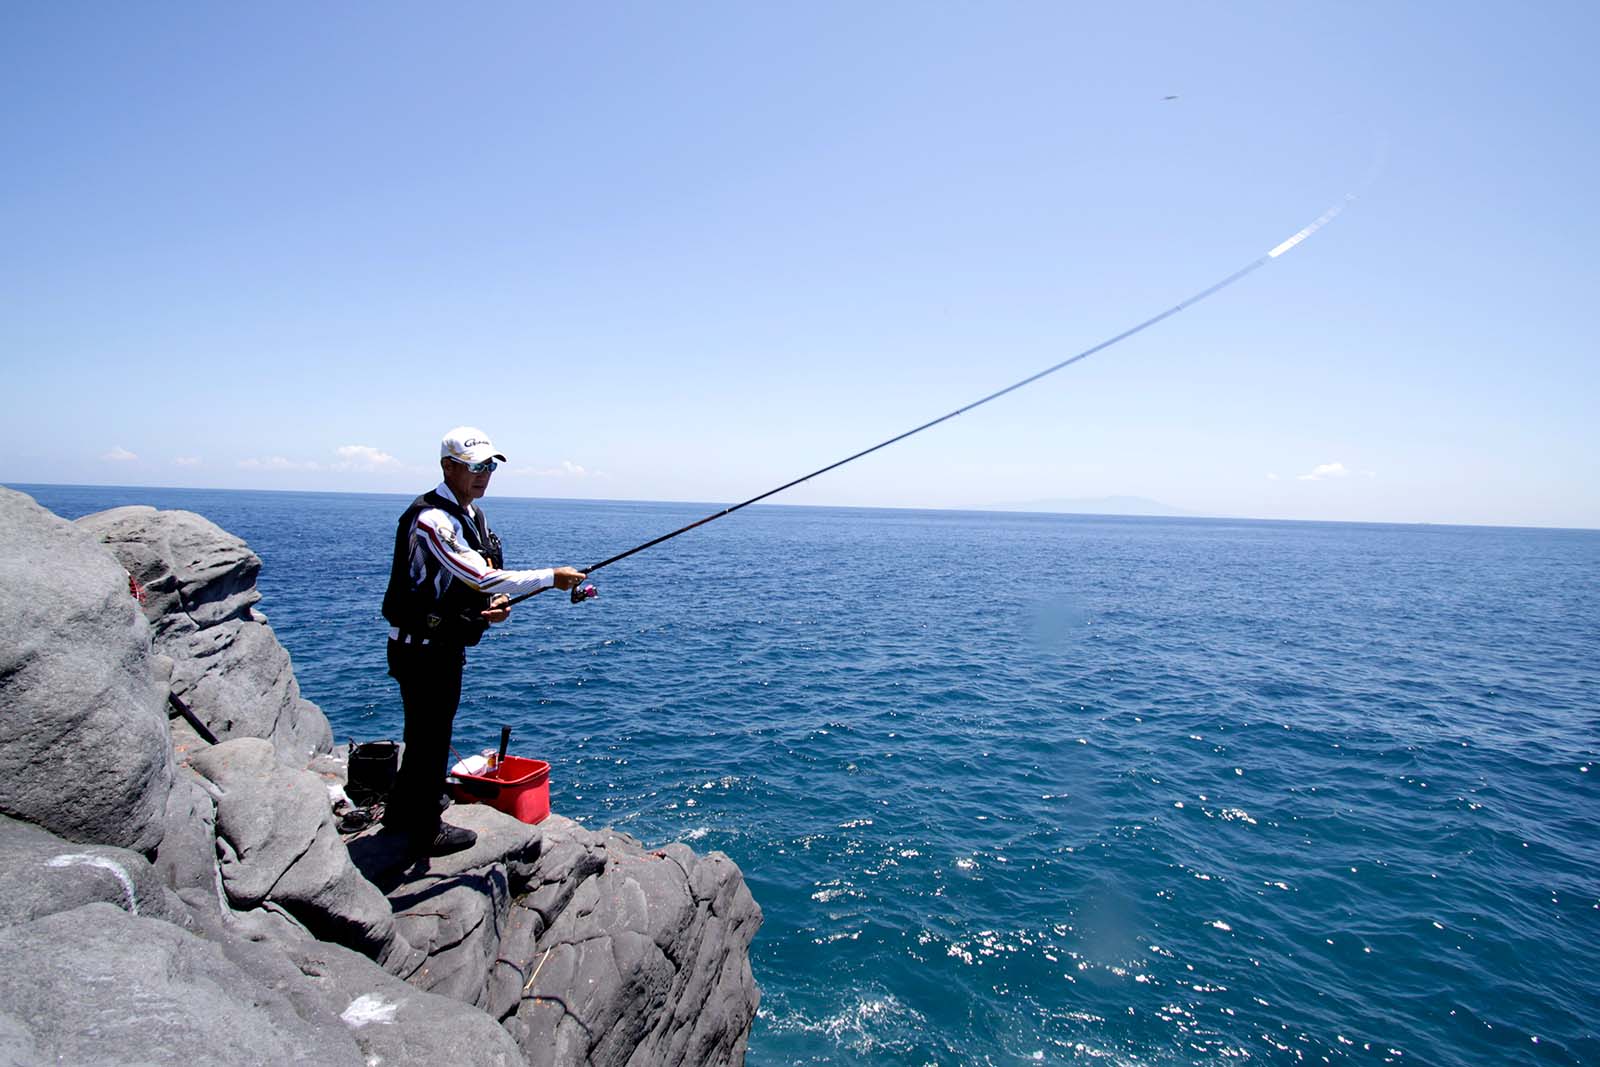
(164,903)
(84,746)
(200,592)
(617,925)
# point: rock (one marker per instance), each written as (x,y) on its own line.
(42,874)
(391,1021)
(395,1023)
(645,959)
(516,962)
(239,680)
(197,940)
(96,985)
(85,987)
(186,858)
(194,573)
(502,841)
(338,989)
(456,909)
(200,592)
(17,1048)
(84,746)
(457,922)
(590,949)
(278,844)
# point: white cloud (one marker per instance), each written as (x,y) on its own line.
(568,469)
(1272,477)
(187,461)
(279,463)
(364,458)
(1324,471)
(119,455)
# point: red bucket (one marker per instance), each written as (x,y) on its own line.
(519,787)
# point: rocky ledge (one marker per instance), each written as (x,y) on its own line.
(164,900)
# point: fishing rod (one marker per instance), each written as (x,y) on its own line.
(581,593)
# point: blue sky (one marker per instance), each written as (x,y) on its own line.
(688,252)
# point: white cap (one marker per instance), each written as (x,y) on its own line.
(468,444)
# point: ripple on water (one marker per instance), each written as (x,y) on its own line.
(1271,792)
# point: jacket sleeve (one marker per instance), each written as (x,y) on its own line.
(442,535)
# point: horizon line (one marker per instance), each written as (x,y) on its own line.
(991,510)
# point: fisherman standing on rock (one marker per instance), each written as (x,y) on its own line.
(446,585)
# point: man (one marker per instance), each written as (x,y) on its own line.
(447,583)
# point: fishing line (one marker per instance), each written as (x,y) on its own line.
(584,592)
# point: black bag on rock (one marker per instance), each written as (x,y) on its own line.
(372,771)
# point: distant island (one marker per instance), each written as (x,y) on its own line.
(1095,505)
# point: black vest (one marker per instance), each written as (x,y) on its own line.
(416,610)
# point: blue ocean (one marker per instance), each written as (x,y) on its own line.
(1020,789)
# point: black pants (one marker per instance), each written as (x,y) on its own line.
(430,688)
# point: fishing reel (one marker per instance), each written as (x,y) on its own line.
(580,593)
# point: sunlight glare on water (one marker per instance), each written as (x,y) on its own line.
(1176,791)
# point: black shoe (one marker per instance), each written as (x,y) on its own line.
(448,839)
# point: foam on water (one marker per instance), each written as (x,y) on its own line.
(1185,792)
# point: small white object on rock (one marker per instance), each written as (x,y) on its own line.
(369,1008)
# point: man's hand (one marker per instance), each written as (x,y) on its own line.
(568,577)
(499,608)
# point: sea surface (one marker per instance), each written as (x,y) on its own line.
(1019,789)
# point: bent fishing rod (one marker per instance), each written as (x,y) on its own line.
(582,592)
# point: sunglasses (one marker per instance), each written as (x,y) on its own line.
(487,466)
